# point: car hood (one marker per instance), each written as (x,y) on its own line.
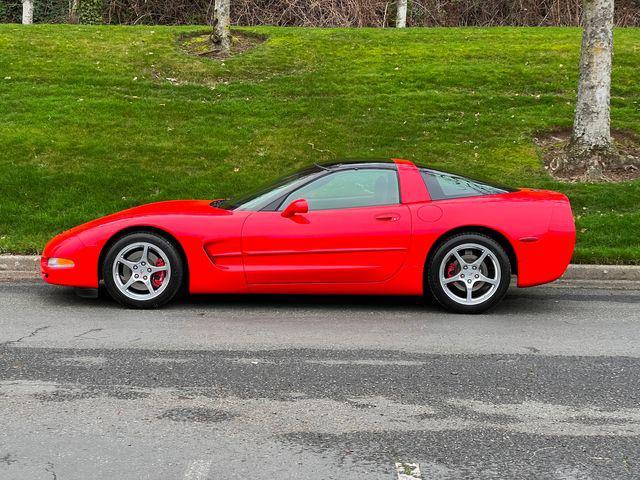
(171,207)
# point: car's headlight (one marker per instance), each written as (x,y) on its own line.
(60,263)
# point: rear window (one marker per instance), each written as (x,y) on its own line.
(444,186)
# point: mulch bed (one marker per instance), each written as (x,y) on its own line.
(201,45)
(553,144)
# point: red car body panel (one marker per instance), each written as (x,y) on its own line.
(326,246)
(369,250)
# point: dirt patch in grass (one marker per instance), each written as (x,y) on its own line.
(553,145)
(201,46)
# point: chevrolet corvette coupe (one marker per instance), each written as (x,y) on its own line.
(383,227)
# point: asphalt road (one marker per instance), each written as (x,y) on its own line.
(547,385)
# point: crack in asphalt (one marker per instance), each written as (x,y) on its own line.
(8,459)
(92,330)
(533,349)
(30,335)
(50,468)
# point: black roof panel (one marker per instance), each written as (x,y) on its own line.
(361,162)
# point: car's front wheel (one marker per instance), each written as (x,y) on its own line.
(469,273)
(142,270)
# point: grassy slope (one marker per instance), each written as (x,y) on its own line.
(79,137)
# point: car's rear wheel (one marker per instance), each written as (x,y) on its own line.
(142,270)
(469,273)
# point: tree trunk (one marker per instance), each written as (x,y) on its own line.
(401,14)
(591,129)
(591,151)
(222,25)
(73,11)
(27,12)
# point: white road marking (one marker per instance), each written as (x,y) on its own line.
(408,471)
(198,469)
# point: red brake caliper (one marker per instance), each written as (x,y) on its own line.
(451,269)
(158,277)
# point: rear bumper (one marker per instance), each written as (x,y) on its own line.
(547,258)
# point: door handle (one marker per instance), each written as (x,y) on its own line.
(388,217)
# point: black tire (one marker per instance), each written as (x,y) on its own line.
(493,293)
(156,244)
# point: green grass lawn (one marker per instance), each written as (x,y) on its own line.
(89,123)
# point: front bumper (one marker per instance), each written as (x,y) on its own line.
(83,273)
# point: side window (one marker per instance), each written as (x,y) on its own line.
(362,187)
(443,186)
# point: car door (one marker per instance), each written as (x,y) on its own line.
(355,231)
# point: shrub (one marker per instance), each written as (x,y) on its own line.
(44,11)
(90,11)
(324,13)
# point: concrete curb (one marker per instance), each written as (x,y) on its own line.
(27,267)
(603,272)
(19,267)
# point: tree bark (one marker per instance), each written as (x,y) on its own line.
(27,12)
(73,11)
(222,25)
(401,14)
(591,126)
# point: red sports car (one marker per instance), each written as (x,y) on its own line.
(384,227)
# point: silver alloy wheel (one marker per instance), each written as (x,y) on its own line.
(134,269)
(470,274)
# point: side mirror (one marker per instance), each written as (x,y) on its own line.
(297,206)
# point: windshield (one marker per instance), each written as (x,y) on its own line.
(267,194)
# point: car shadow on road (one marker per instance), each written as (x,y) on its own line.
(537,300)
(307,302)
(66,297)
(517,301)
